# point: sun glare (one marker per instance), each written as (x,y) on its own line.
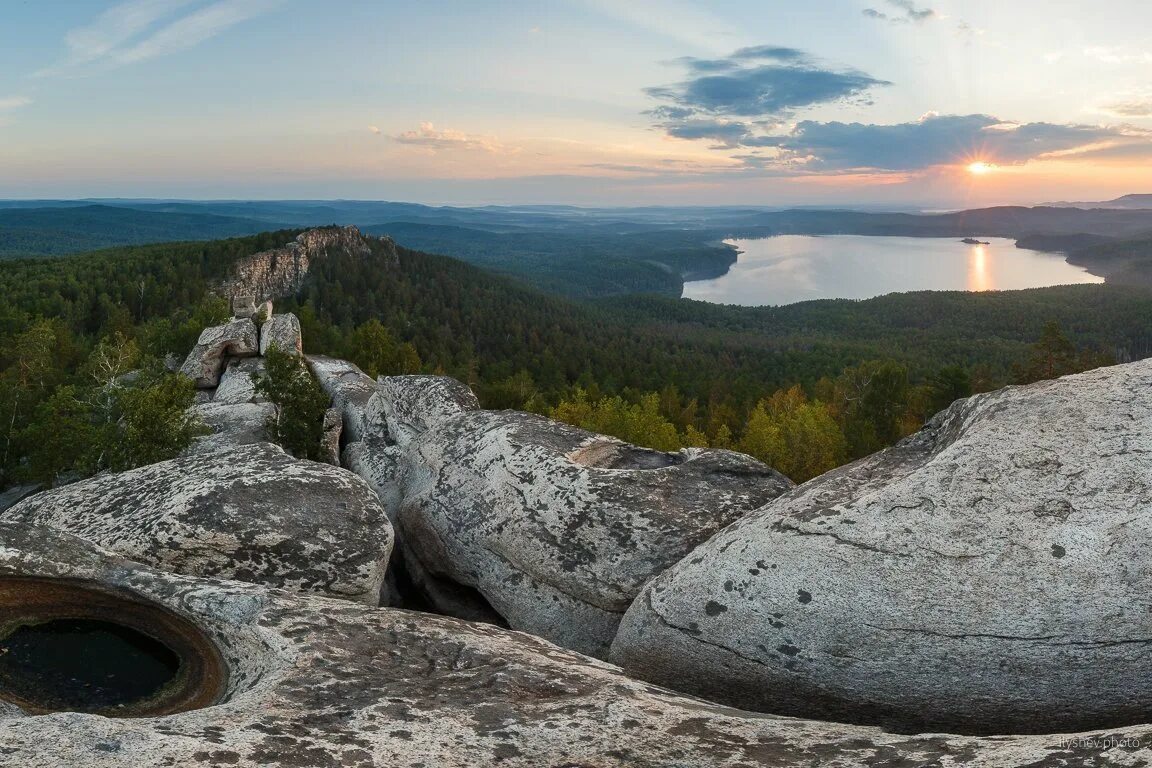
(981,168)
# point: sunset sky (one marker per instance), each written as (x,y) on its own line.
(940,103)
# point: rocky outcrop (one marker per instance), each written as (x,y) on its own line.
(282,332)
(236,383)
(559,528)
(350,389)
(409,406)
(317,682)
(330,437)
(252,513)
(204,364)
(986,575)
(230,425)
(281,272)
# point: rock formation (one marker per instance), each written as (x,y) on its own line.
(559,528)
(987,575)
(350,389)
(408,406)
(238,338)
(251,513)
(308,681)
(281,272)
(282,332)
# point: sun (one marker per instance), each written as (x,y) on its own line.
(981,168)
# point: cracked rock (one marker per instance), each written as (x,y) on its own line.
(319,682)
(987,575)
(558,528)
(237,338)
(252,513)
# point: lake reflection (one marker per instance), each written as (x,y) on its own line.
(792,268)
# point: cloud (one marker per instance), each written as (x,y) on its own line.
(432,139)
(1139,106)
(139,30)
(14,102)
(756,82)
(936,140)
(906,12)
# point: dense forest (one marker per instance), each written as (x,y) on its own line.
(805,387)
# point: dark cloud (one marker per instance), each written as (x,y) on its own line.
(906,12)
(723,132)
(936,140)
(757,82)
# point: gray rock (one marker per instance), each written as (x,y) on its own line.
(282,332)
(350,389)
(204,363)
(252,514)
(379,465)
(330,439)
(405,407)
(231,425)
(989,574)
(317,682)
(559,528)
(236,384)
(244,306)
(16,494)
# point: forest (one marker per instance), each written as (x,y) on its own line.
(805,387)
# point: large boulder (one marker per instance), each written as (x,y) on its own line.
(307,681)
(204,363)
(989,574)
(230,425)
(405,407)
(559,528)
(350,389)
(252,513)
(236,383)
(283,333)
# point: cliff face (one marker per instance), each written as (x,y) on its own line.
(281,272)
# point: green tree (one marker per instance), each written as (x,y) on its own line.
(25,382)
(798,437)
(946,386)
(298,422)
(1053,355)
(154,420)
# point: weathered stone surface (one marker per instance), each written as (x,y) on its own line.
(236,384)
(237,338)
(282,332)
(318,682)
(330,439)
(405,407)
(252,513)
(988,574)
(350,389)
(559,528)
(231,425)
(244,306)
(379,465)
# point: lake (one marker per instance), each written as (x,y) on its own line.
(792,268)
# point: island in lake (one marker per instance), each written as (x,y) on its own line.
(974,241)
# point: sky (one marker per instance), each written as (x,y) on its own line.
(928,103)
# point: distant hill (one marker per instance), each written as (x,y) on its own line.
(1127,202)
(63,230)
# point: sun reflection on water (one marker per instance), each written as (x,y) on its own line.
(979,276)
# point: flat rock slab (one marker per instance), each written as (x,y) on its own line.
(230,425)
(251,513)
(236,384)
(318,682)
(990,574)
(559,528)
